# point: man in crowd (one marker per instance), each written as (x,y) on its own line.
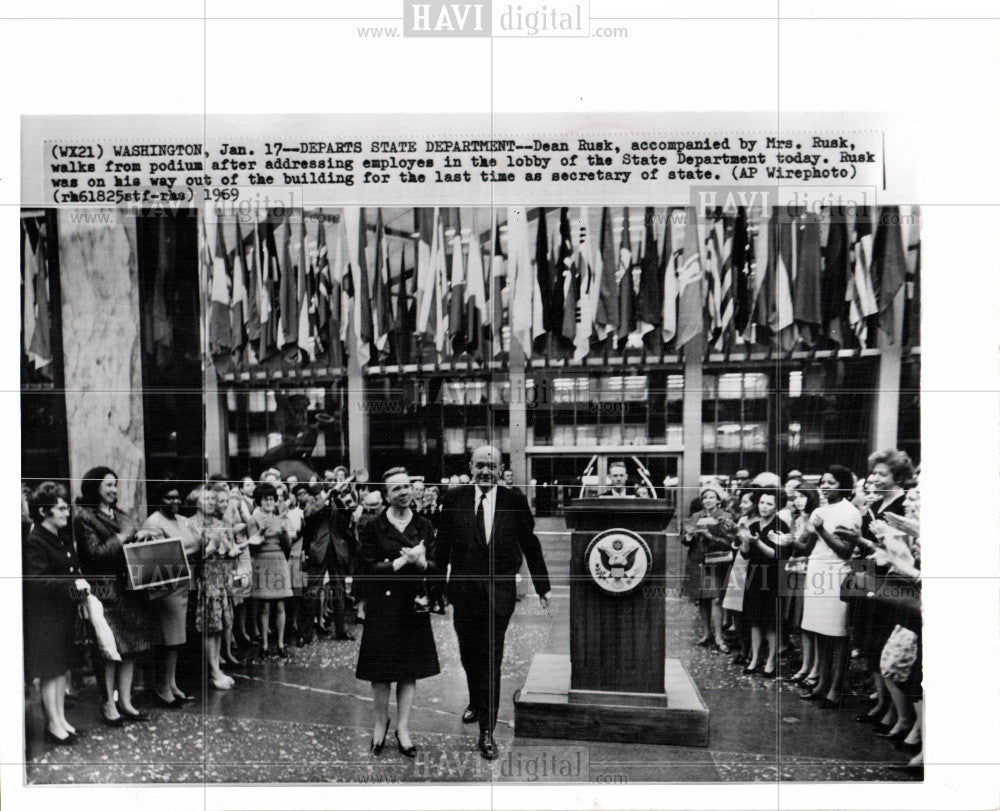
(325,535)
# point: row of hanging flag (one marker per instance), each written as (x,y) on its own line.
(466,283)
(36,317)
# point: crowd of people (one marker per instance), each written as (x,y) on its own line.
(819,576)
(794,579)
(268,564)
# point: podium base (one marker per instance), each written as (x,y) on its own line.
(546,707)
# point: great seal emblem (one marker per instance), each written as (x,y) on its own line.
(618,560)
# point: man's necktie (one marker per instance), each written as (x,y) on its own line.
(481,514)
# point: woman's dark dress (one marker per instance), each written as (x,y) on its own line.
(103,562)
(397,643)
(760,605)
(50,568)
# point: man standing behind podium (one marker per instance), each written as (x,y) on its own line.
(483,532)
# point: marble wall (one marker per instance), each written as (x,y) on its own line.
(102,354)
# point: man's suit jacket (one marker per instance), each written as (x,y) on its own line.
(474,563)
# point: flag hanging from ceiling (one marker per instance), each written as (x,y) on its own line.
(36,325)
(862,303)
(888,266)
(606,316)
(476,312)
(288,307)
(833,288)
(670,259)
(742,260)
(626,284)
(220,337)
(588,253)
(690,284)
(498,288)
(525,306)
(382,319)
(650,315)
(717,261)
(238,317)
(807,302)
(567,278)
(458,337)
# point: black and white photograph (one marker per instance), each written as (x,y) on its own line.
(560,493)
(500,405)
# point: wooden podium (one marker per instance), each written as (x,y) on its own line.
(617,683)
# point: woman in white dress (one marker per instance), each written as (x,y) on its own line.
(829,538)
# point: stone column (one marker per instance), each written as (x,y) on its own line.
(101,350)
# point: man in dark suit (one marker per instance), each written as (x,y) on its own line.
(484,532)
(325,537)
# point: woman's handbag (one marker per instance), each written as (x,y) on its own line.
(96,627)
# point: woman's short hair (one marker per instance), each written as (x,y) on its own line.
(779,495)
(262,491)
(845,480)
(747,492)
(43,498)
(898,462)
(90,484)
(219,486)
(159,490)
(300,486)
(812,498)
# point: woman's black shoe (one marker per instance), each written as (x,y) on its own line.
(865,718)
(754,669)
(770,675)
(376,748)
(828,704)
(135,717)
(112,722)
(812,696)
(893,736)
(55,740)
(183,699)
(160,701)
(409,751)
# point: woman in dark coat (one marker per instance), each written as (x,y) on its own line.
(101,530)
(397,644)
(762,544)
(53,584)
(710,532)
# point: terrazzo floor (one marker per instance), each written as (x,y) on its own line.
(306,720)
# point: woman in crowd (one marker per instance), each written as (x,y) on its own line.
(828,537)
(101,529)
(169,606)
(272,581)
(294,516)
(53,585)
(397,644)
(762,543)
(901,659)
(803,502)
(736,581)
(214,611)
(240,508)
(227,511)
(887,472)
(709,538)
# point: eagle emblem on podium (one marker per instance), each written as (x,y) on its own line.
(618,560)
